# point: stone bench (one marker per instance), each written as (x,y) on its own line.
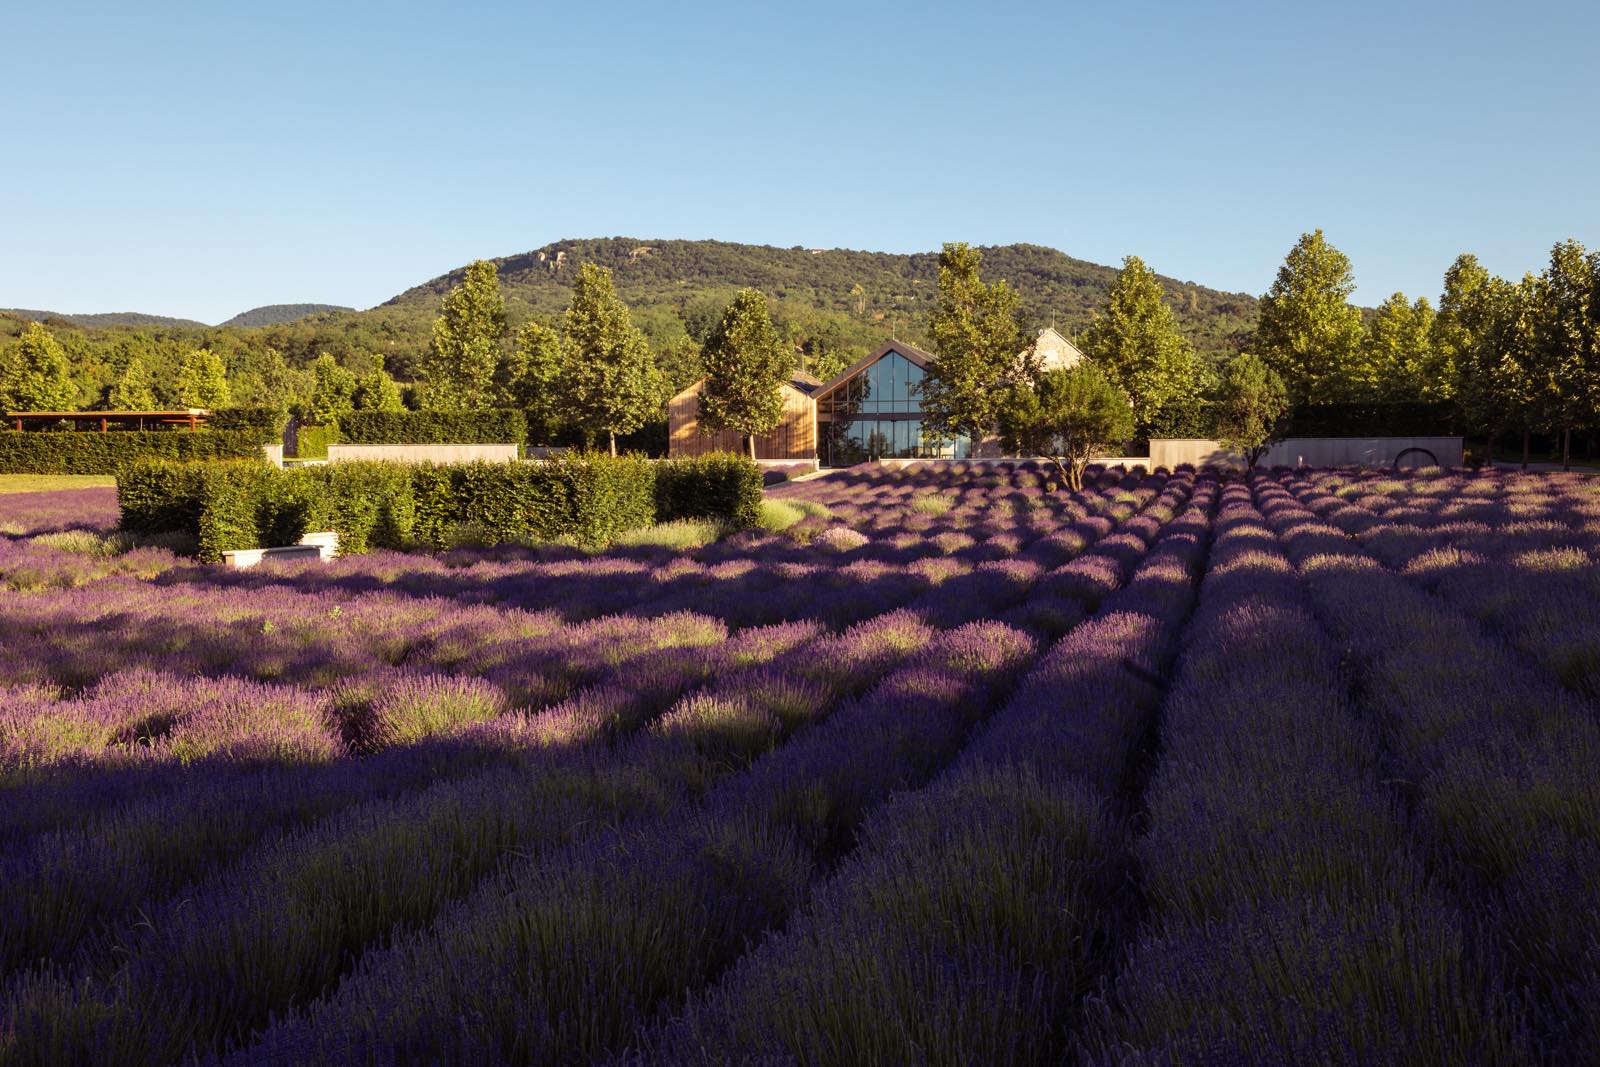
(322,545)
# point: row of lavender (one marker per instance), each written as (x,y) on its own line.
(1368,836)
(380,846)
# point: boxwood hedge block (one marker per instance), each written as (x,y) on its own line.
(493,427)
(90,452)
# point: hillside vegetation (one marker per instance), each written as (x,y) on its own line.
(274,314)
(833,305)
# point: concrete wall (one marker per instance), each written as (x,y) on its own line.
(274,454)
(341,453)
(1315,452)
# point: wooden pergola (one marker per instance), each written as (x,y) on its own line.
(190,418)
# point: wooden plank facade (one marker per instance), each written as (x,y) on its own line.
(794,438)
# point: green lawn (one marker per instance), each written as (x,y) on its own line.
(33,483)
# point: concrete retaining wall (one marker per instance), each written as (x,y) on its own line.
(1317,452)
(342,453)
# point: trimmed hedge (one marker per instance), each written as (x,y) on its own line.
(311,442)
(589,499)
(90,452)
(493,427)
(1416,419)
(719,485)
(266,423)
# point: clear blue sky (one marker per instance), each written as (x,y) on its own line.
(201,159)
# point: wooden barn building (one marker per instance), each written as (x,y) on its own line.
(870,410)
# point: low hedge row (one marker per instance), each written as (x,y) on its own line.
(91,452)
(494,427)
(589,499)
(715,486)
(266,423)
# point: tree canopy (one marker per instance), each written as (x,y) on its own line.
(203,381)
(135,389)
(1251,407)
(1135,339)
(1309,333)
(609,381)
(1068,416)
(36,376)
(458,368)
(976,335)
(745,362)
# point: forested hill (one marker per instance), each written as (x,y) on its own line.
(837,297)
(108,318)
(275,314)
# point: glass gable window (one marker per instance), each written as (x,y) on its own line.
(891,385)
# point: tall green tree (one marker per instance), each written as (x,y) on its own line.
(1398,360)
(1252,407)
(459,365)
(746,360)
(530,379)
(1135,339)
(1067,416)
(1461,319)
(135,389)
(976,335)
(376,390)
(609,382)
(332,391)
(1567,344)
(1309,333)
(203,380)
(37,377)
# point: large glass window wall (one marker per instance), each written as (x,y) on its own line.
(858,440)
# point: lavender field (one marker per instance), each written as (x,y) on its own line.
(1184,768)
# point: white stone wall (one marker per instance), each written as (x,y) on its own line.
(1314,452)
(342,453)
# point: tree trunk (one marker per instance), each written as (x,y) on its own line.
(1525,446)
(750,442)
(613,435)
(1488,452)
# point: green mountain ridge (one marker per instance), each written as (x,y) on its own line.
(277,314)
(814,291)
(266,315)
(105,318)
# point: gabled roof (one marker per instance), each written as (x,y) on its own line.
(914,354)
(801,382)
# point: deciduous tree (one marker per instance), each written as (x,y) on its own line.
(36,377)
(376,390)
(1251,407)
(745,360)
(1068,416)
(333,391)
(1309,332)
(1398,361)
(135,389)
(203,380)
(1135,339)
(976,336)
(458,367)
(609,382)
(530,379)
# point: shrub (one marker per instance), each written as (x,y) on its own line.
(588,500)
(719,485)
(265,423)
(311,442)
(84,452)
(493,427)
(159,496)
